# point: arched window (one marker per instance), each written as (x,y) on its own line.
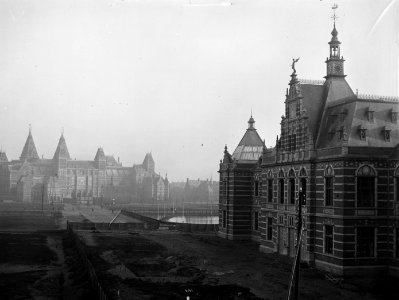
(291,185)
(397,184)
(281,187)
(329,186)
(365,177)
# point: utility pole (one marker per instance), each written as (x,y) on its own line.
(42,196)
(301,201)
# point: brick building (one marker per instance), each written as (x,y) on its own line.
(339,147)
(35,179)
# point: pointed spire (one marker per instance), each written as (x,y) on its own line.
(62,149)
(29,151)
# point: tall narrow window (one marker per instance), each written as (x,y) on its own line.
(328,239)
(270,190)
(292,191)
(365,187)
(303,185)
(256,220)
(329,186)
(365,242)
(256,188)
(269,229)
(281,190)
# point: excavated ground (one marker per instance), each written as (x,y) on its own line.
(174,265)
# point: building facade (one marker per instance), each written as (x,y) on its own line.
(342,150)
(62,179)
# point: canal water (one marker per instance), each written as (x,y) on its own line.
(195,219)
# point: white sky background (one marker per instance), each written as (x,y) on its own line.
(176,79)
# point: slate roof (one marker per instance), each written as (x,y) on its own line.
(313,103)
(29,151)
(351,115)
(62,149)
(251,146)
(80,164)
(111,161)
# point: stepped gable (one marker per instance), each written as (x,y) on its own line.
(251,145)
(29,151)
(62,149)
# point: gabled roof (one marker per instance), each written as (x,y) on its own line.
(251,146)
(62,149)
(29,152)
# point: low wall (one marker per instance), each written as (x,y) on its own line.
(189,227)
(106,226)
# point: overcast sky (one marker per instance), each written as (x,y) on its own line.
(175,77)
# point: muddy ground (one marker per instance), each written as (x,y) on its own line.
(174,265)
(41,265)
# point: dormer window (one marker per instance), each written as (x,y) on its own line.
(363,133)
(394,116)
(342,114)
(370,115)
(341,133)
(387,134)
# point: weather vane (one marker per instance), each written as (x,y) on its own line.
(334,7)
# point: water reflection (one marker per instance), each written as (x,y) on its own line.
(195,219)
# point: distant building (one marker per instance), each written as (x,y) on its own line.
(34,179)
(342,150)
(200,192)
(150,187)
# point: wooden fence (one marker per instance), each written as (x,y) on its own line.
(87,264)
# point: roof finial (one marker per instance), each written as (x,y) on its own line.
(334,17)
(251,122)
(30,128)
(294,61)
(62,131)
